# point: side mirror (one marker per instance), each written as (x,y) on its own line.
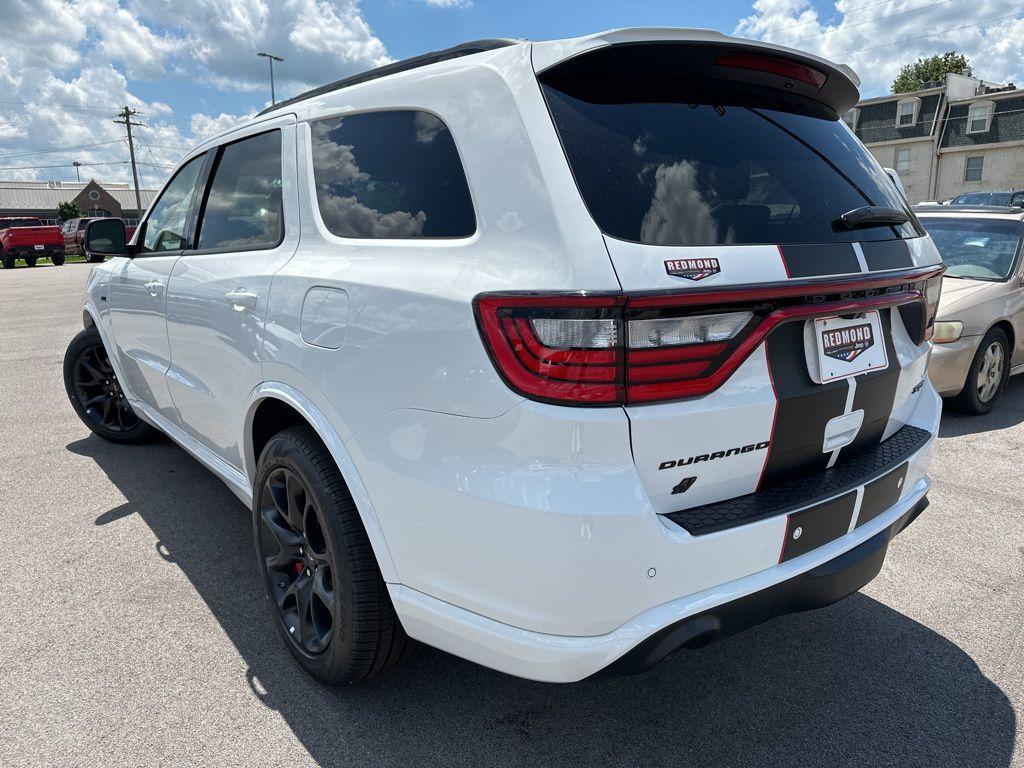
(105,237)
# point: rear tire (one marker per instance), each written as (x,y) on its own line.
(57,261)
(7,261)
(95,393)
(987,375)
(30,261)
(95,258)
(325,590)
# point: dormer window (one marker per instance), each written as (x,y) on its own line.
(979,117)
(906,112)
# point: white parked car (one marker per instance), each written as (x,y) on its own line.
(557,356)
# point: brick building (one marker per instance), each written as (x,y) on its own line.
(41,198)
(960,135)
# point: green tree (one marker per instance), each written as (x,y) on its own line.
(68,210)
(912,77)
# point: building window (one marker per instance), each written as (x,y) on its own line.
(972,168)
(903,160)
(850,118)
(906,112)
(979,117)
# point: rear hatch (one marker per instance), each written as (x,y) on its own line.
(769,338)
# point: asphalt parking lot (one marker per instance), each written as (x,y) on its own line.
(134,630)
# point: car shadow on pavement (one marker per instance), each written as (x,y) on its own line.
(1007,412)
(856,684)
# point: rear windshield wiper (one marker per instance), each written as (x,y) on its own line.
(870,216)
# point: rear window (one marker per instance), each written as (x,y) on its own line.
(688,166)
(5,223)
(977,249)
(390,175)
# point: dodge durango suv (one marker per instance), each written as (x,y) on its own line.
(558,356)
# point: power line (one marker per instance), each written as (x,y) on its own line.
(843,26)
(922,37)
(59,150)
(837,14)
(61,165)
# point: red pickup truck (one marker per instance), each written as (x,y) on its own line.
(29,239)
(73,231)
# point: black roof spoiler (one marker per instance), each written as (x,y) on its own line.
(433,57)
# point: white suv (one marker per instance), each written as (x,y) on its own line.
(557,356)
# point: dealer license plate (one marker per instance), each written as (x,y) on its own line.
(38,247)
(847,347)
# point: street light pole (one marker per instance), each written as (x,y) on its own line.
(271,58)
(78,173)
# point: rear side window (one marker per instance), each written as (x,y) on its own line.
(675,162)
(243,207)
(393,174)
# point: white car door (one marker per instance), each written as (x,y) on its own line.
(138,292)
(246,230)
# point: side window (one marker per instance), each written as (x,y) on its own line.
(243,207)
(390,175)
(165,227)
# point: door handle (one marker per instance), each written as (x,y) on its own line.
(241,299)
(155,288)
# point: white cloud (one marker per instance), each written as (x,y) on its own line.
(449,3)
(66,66)
(877,39)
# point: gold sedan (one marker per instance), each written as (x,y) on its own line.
(979,328)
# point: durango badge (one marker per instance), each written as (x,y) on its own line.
(693,269)
(847,343)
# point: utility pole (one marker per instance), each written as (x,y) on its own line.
(78,173)
(126,121)
(271,58)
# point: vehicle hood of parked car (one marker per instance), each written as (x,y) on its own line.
(960,296)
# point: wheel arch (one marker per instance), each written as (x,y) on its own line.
(275,406)
(1006,327)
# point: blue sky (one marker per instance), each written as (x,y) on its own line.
(190,66)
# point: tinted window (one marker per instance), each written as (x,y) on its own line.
(980,249)
(5,223)
(165,227)
(243,207)
(680,169)
(983,198)
(390,175)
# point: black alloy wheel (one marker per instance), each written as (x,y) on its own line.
(95,393)
(324,587)
(297,561)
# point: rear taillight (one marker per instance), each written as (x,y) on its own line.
(613,349)
(932,291)
(560,349)
(792,70)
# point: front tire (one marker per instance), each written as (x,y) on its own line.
(987,374)
(95,258)
(95,393)
(323,584)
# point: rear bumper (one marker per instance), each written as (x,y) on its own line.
(824,585)
(23,251)
(815,579)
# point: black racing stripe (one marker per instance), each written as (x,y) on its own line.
(876,393)
(817,526)
(886,254)
(881,494)
(803,409)
(820,259)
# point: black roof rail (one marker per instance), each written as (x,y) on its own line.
(433,57)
